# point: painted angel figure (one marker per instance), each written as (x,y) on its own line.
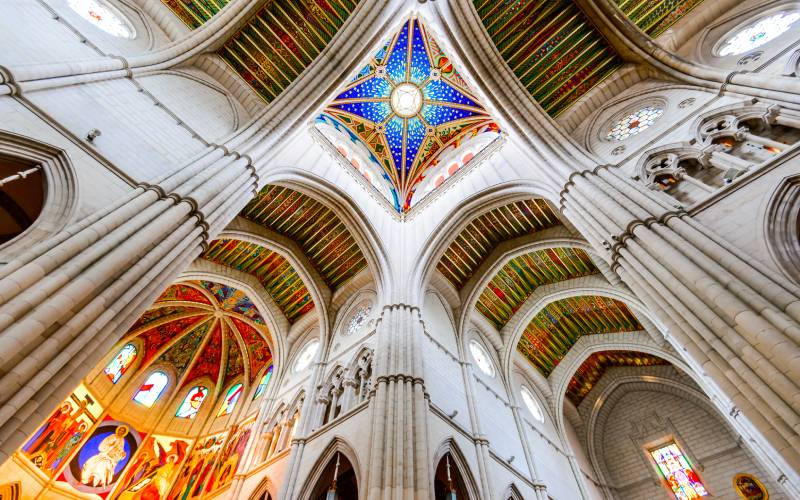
(99,469)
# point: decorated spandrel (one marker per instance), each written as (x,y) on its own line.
(408,120)
(677,472)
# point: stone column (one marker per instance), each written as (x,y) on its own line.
(349,394)
(735,319)
(399,466)
(480,440)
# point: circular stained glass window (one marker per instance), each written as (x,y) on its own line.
(358,320)
(634,123)
(757,34)
(306,355)
(103,16)
(481,358)
(531,404)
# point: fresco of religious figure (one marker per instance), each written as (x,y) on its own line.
(99,469)
(150,474)
(196,470)
(229,460)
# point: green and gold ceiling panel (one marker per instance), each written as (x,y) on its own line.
(317,230)
(474,244)
(592,370)
(271,269)
(556,328)
(281,40)
(518,279)
(656,16)
(195,13)
(551,46)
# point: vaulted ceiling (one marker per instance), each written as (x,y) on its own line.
(656,16)
(555,329)
(595,366)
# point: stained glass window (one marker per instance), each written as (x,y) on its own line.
(192,402)
(151,389)
(677,472)
(634,123)
(531,404)
(230,400)
(758,34)
(103,16)
(306,356)
(359,319)
(262,384)
(404,112)
(121,362)
(481,358)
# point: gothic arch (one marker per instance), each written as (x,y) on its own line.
(264,488)
(336,445)
(512,493)
(781,223)
(450,446)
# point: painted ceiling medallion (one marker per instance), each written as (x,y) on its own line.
(408,120)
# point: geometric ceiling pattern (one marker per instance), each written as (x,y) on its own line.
(203,329)
(277,43)
(271,269)
(403,111)
(518,279)
(656,16)
(592,370)
(317,230)
(487,231)
(271,50)
(551,46)
(556,328)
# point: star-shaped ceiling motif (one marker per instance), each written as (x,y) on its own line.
(408,120)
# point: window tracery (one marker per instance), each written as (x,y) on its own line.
(359,319)
(192,402)
(122,361)
(345,389)
(634,123)
(151,389)
(757,34)
(103,16)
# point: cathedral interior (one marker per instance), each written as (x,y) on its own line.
(400,249)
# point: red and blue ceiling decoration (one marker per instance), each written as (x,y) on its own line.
(408,120)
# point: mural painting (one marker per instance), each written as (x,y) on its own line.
(232,455)
(153,470)
(196,472)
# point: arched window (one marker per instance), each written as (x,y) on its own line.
(230,400)
(103,16)
(634,123)
(22,195)
(192,402)
(481,358)
(677,472)
(306,356)
(758,33)
(262,384)
(151,389)
(531,404)
(121,362)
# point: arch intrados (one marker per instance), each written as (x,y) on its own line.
(337,445)
(450,446)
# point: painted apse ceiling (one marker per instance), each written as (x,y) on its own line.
(204,329)
(395,122)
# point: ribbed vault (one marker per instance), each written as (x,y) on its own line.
(593,368)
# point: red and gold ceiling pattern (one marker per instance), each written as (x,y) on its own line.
(557,54)
(316,229)
(195,12)
(517,280)
(556,328)
(272,270)
(471,247)
(204,329)
(282,39)
(592,370)
(656,16)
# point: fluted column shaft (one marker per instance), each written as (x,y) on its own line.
(399,465)
(735,319)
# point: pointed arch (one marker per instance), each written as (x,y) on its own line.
(336,445)
(512,493)
(449,446)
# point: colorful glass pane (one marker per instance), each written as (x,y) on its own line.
(677,472)
(405,113)
(121,362)
(758,34)
(230,400)
(151,389)
(306,356)
(481,358)
(102,16)
(192,402)
(634,123)
(531,404)
(358,320)
(262,384)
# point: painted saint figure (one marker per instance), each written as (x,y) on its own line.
(99,469)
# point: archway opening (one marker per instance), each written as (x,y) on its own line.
(338,481)
(448,483)
(22,192)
